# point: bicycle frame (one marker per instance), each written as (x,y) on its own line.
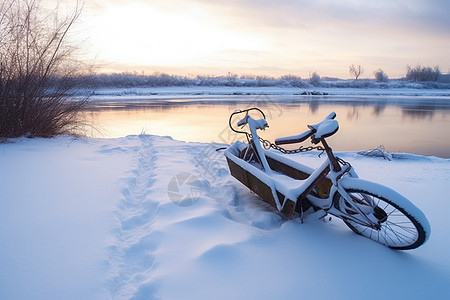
(363,212)
(332,168)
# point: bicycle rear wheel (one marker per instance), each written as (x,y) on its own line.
(400,225)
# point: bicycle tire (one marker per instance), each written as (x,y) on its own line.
(401,224)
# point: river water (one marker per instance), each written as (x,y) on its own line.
(417,124)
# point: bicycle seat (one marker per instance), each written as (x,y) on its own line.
(330,116)
(326,128)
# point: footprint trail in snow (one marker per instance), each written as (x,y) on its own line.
(169,196)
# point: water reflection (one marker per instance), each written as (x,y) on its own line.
(418,113)
(378,109)
(417,125)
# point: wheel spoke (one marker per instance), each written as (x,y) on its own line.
(411,229)
(399,235)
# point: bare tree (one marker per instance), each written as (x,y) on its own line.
(38,68)
(356,71)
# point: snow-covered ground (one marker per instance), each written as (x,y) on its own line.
(106,219)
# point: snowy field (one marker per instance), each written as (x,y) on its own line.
(101,219)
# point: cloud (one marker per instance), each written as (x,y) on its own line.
(291,35)
(421,16)
(405,15)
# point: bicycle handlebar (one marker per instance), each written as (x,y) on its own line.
(244,120)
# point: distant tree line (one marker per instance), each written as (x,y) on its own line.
(157,79)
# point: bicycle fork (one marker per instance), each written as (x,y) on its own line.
(358,210)
(345,206)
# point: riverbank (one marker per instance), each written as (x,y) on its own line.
(102,93)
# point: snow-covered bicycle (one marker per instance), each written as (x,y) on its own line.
(369,209)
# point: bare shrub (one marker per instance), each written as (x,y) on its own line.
(37,71)
(293,80)
(444,78)
(420,73)
(314,79)
(231,79)
(380,76)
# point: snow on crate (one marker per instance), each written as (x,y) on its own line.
(92,219)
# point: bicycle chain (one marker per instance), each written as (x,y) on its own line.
(267,145)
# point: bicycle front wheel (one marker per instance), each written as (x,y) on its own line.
(399,224)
